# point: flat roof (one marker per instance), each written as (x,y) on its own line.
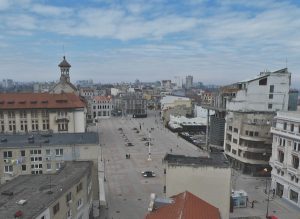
(215,159)
(35,189)
(53,139)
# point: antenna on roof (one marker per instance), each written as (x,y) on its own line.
(286,62)
(64,50)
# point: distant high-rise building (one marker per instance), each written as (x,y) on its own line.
(188,82)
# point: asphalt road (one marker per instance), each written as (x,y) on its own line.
(127,191)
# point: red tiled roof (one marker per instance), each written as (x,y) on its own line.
(40,101)
(102,98)
(185,206)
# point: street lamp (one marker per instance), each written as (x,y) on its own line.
(267,192)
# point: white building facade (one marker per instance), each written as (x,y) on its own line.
(101,107)
(285,156)
(250,111)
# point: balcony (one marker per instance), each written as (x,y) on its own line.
(293,170)
(280,165)
(286,133)
(62,118)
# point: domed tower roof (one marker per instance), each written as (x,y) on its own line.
(64,64)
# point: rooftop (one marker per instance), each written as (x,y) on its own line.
(215,159)
(35,189)
(102,98)
(185,205)
(64,63)
(40,101)
(54,139)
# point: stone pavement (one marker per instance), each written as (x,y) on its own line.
(255,187)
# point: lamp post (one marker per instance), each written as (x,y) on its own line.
(268,193)
(149,147)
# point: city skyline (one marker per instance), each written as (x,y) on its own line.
(218,42)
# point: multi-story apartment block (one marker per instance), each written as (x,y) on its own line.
(101,107)
(66,194)
(33,112)
(285,156)
(250,111)
(23,154)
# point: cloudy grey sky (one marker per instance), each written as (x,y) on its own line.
(216,41)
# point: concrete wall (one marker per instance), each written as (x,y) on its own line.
(208,183)
(255,97)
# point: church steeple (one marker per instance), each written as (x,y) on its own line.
(64,70)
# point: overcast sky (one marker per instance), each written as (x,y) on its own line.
(216,41)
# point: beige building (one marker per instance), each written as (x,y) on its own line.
(64,195)
(23,154)
(209,178)
(34,112)
(285,156)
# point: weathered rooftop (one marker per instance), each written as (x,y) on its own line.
(31,140)
(35,189)
(214,159)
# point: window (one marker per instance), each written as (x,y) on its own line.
(263,81)
(292,127)
(59,152)
(295,162)
(79,187)
(235,130)
(23,153)
(255,133)
(48,153)
(45,124)
(234,140)
(270,96)
(7,154)
(23,167)
(8,169)
(284,126)
(250,133)
(293,196)
(270,106)
(23,126)
(230,128)
(233,151)
(48,166)
(58,166)
(79,203)
(56,208)
(35,125)
(247,132)
(280,156)
(68,197)
(271,88)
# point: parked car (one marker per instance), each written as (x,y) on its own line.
(147,144)
(129,144)
(148,173)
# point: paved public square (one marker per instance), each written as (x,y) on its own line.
(127,191)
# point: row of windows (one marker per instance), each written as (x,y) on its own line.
(102,107)
(294,160)
(58,152)
(9,168)
(285,142)
(23,114)
(291,127)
